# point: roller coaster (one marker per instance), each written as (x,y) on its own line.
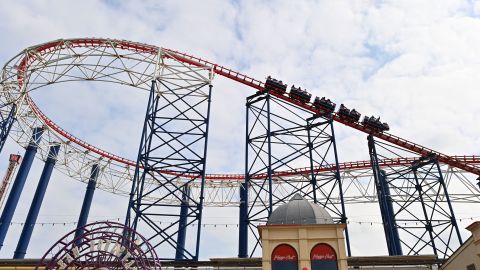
(290,148)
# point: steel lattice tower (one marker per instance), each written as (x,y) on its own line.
(6,124)
(282,136)
(172,156)
(416,209)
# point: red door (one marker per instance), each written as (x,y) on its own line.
(323,257)
(284,257)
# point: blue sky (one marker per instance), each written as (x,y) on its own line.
(414,63)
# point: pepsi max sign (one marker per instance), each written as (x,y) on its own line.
(323,257)
(284,257)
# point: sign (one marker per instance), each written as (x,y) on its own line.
(284,257)
(323,257)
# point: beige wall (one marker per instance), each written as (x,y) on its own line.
(468,253)
(303,238)
(394,268)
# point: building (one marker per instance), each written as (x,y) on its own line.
(467,256)
(302,235)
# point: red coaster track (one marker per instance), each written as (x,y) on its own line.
(35,53)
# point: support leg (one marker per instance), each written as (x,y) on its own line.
(36,203)
(87,200)
(385,201)
(18,184)
(340,189)
(243,222)
(182,224)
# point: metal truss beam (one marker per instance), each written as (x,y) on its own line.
(415,205)
(174,139)
(281,136)
(6,124)
(385,202)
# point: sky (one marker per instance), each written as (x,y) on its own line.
(414,63)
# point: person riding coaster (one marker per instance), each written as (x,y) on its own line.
(346,113)
(299,94)
(375,123)
(324,104)
(275,85)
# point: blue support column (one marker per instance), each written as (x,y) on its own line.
(182,224)
(243,215)
(269,169)
(18,184)
(388,213)
(243,222)
(87,200)
(313,175)
(36,203)
(340,188)
(6,125)
(385,201)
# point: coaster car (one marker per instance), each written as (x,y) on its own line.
(275,85)
(300,95)
(375,124)
(324,104)
(348,114)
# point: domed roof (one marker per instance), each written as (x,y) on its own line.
(300,211)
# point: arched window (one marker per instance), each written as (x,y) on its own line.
(284,257)
(323,257)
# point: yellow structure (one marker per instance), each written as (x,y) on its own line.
(306,229)
(467,257)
